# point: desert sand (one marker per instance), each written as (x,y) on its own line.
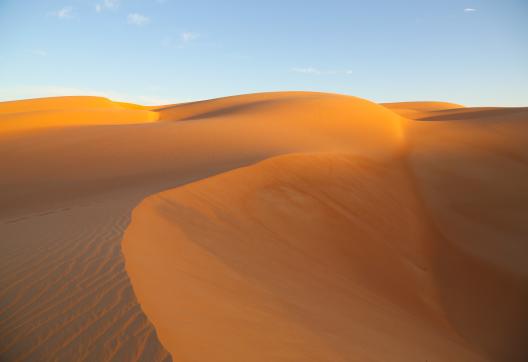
(290,226)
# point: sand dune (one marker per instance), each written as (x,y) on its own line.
(300,258)
(299,227)
(31,115)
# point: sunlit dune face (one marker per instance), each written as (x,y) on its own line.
(30,115)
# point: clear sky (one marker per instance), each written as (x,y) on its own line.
(473,52)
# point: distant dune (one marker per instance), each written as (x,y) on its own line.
(291,226)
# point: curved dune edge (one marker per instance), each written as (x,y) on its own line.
(297,256)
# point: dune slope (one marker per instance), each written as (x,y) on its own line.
(472,172)
(311,257)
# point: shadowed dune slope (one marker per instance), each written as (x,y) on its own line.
(298,226)
(473,176)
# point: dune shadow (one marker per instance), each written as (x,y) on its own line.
(238,108)
(472,114)
(485,305)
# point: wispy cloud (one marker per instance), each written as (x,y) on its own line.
(188,36)
(106,5)
(470,10)
(181,41)
(137,19)
(64,13)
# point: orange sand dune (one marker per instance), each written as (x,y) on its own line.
(310,257)
(367,232)
(34,114)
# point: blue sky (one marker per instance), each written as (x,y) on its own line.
(473,52)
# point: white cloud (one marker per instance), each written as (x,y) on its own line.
(188,36)
(38,91)
(137,19)
(470,10)
(64,13)
(107,5)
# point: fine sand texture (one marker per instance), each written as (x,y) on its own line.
(291,226)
